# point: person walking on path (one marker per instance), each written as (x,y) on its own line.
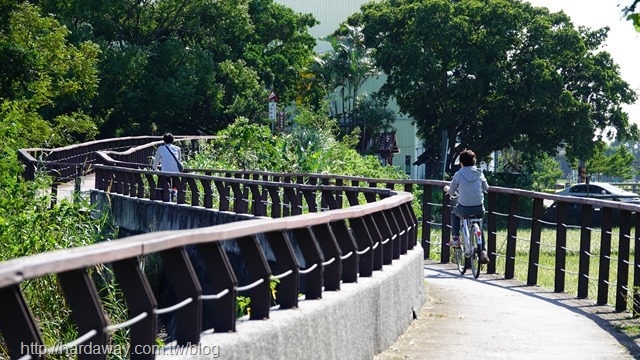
(169,157)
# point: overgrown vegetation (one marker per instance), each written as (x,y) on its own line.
(311,146)
(30,225)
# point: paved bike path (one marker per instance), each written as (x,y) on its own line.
(494,318)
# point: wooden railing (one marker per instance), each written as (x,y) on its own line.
(337,246)
(362,244)
(505,216)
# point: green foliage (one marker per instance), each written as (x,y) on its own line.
(341,73)
(188,66)
(544,173)
(310,147)
(245,146)
(632,15)
(614,161)
(29,225)
(497,74)
(46,81)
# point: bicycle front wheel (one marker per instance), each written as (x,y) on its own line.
(475,252)
(458,255)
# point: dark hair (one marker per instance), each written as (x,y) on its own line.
(468,158)
(168,138)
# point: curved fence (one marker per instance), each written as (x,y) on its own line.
(337,245)
(585,246)
(71,162)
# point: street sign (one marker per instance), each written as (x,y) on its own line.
(272,110)
(281,120)
(272,96)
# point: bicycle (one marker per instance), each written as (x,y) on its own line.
(471,242)
(468,254)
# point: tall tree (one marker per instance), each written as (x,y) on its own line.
(342,73)
(496,74)
(189,65)
(46,81)
(632,14)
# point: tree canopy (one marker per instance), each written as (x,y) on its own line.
(631,11)
(497,74)
(45,81)
(187,66)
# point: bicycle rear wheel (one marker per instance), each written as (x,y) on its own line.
(475,252)
(458,255)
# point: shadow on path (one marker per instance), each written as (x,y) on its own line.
(494,318)
(604,316)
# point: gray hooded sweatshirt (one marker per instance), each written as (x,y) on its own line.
(470,183)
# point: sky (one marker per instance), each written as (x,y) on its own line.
(623,42)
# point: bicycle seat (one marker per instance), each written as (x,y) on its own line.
(474,216)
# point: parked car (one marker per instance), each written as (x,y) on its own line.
(599,190)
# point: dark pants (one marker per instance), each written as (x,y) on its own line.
(462,211)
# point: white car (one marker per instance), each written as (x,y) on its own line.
(604,191)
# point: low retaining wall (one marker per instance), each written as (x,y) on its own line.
(140,216)
(357,322)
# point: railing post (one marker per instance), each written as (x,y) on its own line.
(622,282)
(636,267)
(376,239)
(223,191)
(313,277)
(605,254)
(585,249)
(396,229)
(331,251)
(534,246)
(561,246)
(309,197)
(276,204)
(492,228)
(17,325)
(446,229)
(380,218)
(221,278)
(365,246)
(84,301)
(140,299)
(348,249)
(412,222)
(404,229)
(182,276)
(287,295)
(512,233)
(258,268)
(293,201)
(427,198)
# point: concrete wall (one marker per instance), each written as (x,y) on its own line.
(357,322)
(140,216)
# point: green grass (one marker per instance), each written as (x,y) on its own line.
(547,260)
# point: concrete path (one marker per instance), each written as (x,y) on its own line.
(493,318)
(65,191)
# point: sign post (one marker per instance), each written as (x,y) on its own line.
(273,108)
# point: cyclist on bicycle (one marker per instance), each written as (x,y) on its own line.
(470,184)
